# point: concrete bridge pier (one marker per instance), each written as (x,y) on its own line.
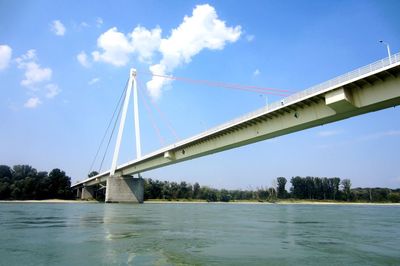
(124,189)
(79,193)
(87,193)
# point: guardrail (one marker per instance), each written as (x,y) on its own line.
(380,64)
(345,77)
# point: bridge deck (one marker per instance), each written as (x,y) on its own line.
(354,80)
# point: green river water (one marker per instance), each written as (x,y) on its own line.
(198,234)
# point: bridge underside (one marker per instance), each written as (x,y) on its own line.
(365,94)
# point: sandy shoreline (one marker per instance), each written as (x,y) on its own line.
(276,203)
(48,201)
(284,202)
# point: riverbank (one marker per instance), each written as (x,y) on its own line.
(48,201)
(244,202)
(279,202)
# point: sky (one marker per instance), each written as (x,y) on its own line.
(64,65)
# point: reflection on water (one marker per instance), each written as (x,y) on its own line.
(198,234)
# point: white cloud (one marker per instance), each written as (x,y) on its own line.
(117,47)
(145,42)
(156,83)
(58,28)
(52,90)
(34,76)
(5,56)
(93,81)
(32,102)
(83,59)
(250,37)
(84,25)
(203,30)
(34,73)
(99,22)
(256,72)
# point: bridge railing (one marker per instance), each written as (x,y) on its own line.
(345,77)
(380,64)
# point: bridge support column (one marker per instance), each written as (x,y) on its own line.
(125,189)
(87,193)
(79,193)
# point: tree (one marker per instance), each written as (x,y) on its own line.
(325,187)
(298,187)
(281,187)
(309,187)
(209,194)
(59,184)
(23,171)
(225,196)
(93,173)
(272,194)
(196,190)
(346,186)
(5,173)
(335,183)
(6,177)
(185,191)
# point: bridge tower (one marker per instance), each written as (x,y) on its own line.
(120,187)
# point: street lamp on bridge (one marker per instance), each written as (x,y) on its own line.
(388,50)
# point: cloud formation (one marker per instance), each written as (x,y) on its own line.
(93,81)
(34,77)
(52,90)
(58,28)
(116,47)
(99,22)
(250,37)
(5,56)
(202,30)
(34,73)
(83,59)
(32,102)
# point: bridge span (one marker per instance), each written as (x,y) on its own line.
(366,89)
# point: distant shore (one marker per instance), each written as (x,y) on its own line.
(280,202)
(244,202)
(48,201)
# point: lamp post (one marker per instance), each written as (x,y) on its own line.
(388,50)
(266,100)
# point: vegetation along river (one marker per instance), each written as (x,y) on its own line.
(198,234)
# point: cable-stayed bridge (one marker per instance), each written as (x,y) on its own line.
(366,89)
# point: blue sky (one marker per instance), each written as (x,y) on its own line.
(63,65)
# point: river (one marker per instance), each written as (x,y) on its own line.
(198,234)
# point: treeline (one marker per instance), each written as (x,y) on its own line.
(310,188)
(23,182)
(320,188)
(155,189)
(317,188)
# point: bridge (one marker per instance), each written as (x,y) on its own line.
(366,89)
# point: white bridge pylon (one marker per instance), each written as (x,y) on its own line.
(132,85)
